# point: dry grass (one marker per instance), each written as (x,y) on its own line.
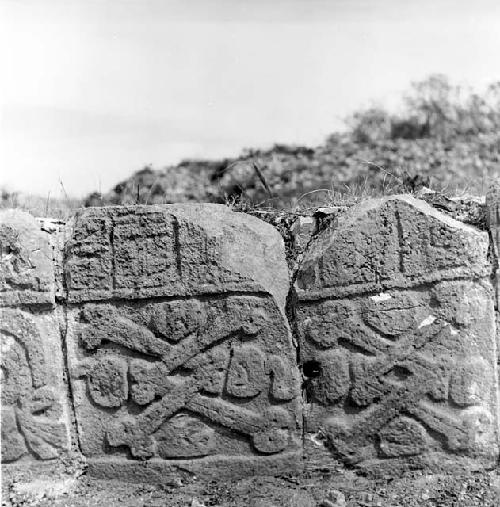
(61,208)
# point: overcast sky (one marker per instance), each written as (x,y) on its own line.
(92,90)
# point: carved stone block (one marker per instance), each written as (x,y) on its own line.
(154,251)
(34,413)
(179,349)
(397,330)
(26,266)
(33,395)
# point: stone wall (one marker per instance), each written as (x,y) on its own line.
(163,341)
(35,415)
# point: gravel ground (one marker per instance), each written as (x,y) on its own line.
(67,485)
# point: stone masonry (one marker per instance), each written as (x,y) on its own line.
(396,313)
(179,351)
(34,396)
(159,339)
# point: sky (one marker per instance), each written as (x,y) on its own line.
(92,90)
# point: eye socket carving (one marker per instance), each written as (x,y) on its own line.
(311,369)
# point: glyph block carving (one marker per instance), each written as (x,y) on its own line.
(26,261)
(154,251)
(34,410)
(34,398)
(397,330)
(182,352)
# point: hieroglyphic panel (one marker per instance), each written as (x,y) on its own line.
(26,267)
(183,353)
(397,331)
(206,376)
(154,251)
(34,399)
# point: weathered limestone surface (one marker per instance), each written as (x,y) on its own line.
(181,359)
(397,336)
(26,267)
(493,222)
(180,354)
(34,398)
(153,251)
